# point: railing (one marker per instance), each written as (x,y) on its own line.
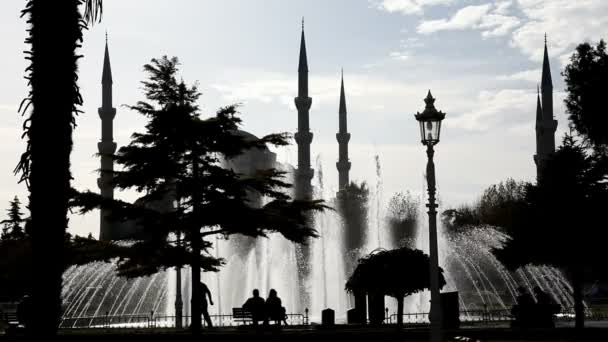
(499,315)
(159,321)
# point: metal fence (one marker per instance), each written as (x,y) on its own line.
(497,315)
(161,321)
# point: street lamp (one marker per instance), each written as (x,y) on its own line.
(179,304)
(430,127)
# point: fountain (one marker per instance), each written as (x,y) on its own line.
(470,268)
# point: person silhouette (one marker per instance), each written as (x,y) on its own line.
(545,308)
(24,312)
(206,293)
(255,305)
(523,309)
(274,309)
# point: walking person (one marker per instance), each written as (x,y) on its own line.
(206,293)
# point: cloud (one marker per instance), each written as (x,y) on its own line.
(401,56)
(493,108)
(507,110)
(407,7)
(503,7)
(278,88)
(491,19)
(566,22)
(532,75)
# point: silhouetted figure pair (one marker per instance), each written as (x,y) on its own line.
(267,310)
(531,314)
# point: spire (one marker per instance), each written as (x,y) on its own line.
(343,138)
(546,81)
(342,109)
(539,110)
(303,65)
(106,148)
(106,76)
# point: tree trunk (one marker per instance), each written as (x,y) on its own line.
(195,243)
(54,34)
(195,305)
(400,311)
(579,308)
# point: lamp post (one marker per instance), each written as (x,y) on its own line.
(179,304)
(430,126)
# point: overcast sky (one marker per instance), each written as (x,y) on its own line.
(481,60)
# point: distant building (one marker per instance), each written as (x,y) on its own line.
(546,125)
(106,148)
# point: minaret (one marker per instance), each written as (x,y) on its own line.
(106,147)
(304,173)
(343,137)
(303,137)
(546,125)
(539,128)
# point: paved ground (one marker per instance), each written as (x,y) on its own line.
(596,331)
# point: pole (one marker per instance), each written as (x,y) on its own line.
(218,295)
(179,304)
(195,264)
(436,316)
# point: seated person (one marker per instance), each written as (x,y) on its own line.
(256,306)
(274,308)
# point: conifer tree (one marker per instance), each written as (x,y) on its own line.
(13,228)
(176,165)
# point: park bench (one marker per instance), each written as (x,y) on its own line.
(242,315)
(8,314)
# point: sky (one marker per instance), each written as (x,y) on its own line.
(480,59)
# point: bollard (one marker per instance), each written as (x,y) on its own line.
(328,318)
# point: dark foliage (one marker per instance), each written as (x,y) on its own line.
(564,212)
(501,205)
(176,164)
(403,218)
(353,206)
(586,86)
(54,34)
(396,273)
(13,225)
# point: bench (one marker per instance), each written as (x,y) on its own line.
(9,317)
(242,315)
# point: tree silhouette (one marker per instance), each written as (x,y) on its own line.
(501,205)
(177,165)
(13,229)
(353,205)
(403,218)
(562,213)
(54,34)
(396,273)
(585,79)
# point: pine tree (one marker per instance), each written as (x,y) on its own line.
(176,164)
(13,229)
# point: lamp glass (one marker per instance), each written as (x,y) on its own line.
(429,130)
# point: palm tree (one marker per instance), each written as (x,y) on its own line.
(54,33)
